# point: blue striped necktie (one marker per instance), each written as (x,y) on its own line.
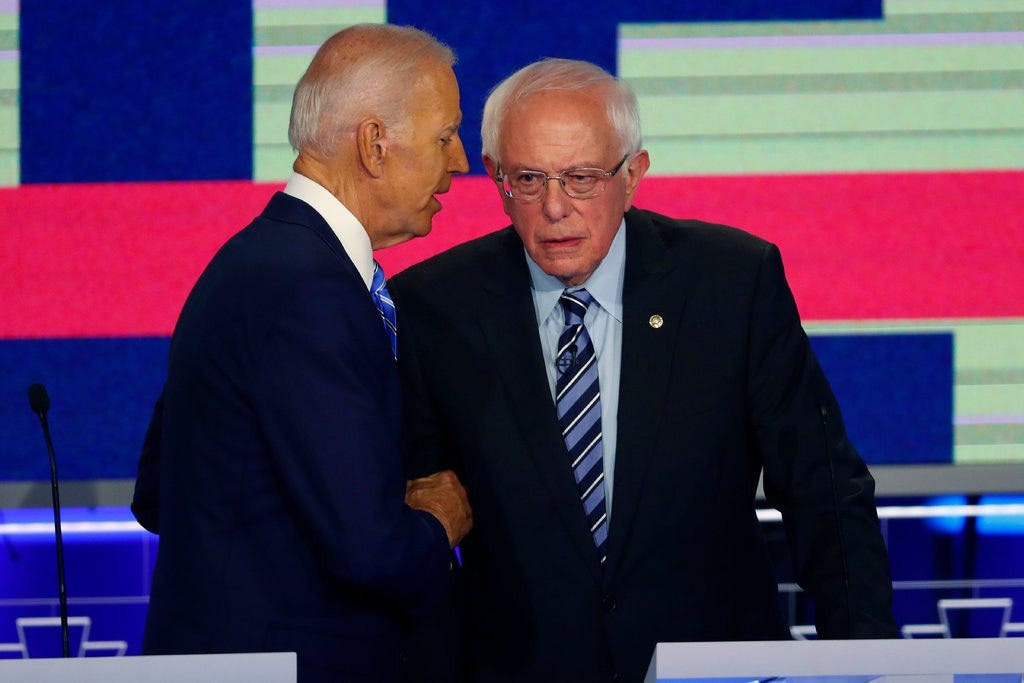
(382,299)
(578,402)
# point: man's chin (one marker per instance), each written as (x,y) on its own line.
(422,224)
(421,229)
(561,271)
(408,233)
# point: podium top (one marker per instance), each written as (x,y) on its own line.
(261,667)
(821,658)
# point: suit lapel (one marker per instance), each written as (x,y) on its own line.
(652,316)
(510,327)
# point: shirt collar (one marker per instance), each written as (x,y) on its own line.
(604,284)
(343,224)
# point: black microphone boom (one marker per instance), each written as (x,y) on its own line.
(39,400)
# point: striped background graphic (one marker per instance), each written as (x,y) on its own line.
(880,145)
(9,162)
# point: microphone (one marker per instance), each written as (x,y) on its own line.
(39,401)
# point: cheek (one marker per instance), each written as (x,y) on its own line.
(508,206)
(522,229)
(421,174)
(520,219)
(604,219)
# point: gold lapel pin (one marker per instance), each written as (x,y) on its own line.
(655,321)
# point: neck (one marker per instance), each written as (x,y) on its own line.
(327,173)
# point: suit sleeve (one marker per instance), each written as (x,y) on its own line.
(812,473)
(327,398)
(146,498)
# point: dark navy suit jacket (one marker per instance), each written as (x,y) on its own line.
(272,469)
(725,389)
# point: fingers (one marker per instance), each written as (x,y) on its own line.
(442,495)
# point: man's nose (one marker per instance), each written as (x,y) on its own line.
(458,163)
(556,203)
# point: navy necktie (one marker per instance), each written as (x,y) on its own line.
(578,402)
(382,299)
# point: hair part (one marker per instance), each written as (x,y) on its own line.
(363,70)
(554,75)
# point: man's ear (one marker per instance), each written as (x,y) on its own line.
(492,171)
(491,166)
(634,172)
(372,146)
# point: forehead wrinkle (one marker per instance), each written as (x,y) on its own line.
(554,153)
(555,138)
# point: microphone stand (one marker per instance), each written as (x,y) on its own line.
(40,402)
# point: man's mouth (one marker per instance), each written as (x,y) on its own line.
(561,241)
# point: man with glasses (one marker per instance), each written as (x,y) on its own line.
(609,384)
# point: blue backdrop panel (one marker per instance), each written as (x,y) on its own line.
(895,392)
(102,393)
(501,37)
(123,91)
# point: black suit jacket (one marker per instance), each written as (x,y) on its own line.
(272,468)
(726,388)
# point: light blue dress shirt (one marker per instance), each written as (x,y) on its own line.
(604,324)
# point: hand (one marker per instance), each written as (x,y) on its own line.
(442,495)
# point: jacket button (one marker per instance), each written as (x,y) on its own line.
(608,603)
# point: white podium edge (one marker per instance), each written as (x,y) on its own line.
(766,659)
(256,667)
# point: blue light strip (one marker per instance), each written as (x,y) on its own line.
(997,515)
(74,521)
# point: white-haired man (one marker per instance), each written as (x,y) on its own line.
(609,384)
(272,468)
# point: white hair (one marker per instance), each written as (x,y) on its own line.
(363,70)
(562,75)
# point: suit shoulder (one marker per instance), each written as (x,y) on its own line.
(698,234)
(466,262)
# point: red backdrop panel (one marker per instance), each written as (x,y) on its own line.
(98,260)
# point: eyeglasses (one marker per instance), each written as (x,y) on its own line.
(578,183)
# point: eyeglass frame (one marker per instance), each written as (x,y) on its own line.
(500,177)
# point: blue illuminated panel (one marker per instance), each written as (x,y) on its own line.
(134,91)
(895,392)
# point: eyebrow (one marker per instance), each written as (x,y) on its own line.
(455,125)
(519,169)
